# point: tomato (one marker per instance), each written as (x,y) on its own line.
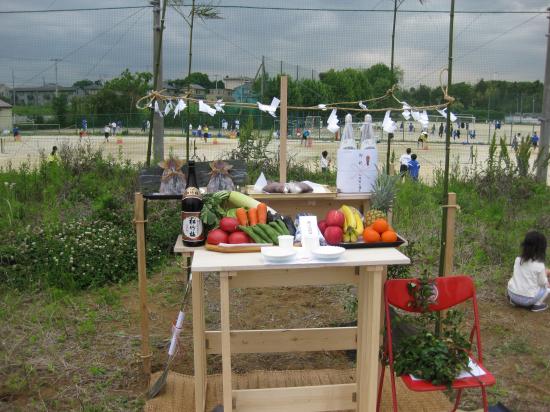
(229,224)
(238,237)
(216,237)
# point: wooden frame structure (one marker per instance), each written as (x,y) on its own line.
(365,268)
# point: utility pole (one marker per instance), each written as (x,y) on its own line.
(216,76)
(55,64)
(297,72)
(158,120)
(281,70)
(12,98)
(542,166)
(262,91)
(393,33)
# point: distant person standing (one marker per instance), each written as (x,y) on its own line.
(84,125)
(515,143)
(107,132)
(441,128)
(199,130)
(113,129)
(119,126)
(16,133)
(325,161)
(414,167)
(53,157)
(205,133)
(143,126)
(411,127)
(433,130)
(535,140)
(237,125)
(305,135)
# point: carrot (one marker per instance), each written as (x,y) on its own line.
(262,213)
(241,216)
(252,216)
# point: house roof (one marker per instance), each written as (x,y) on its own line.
(46,88)
(197,86)
(4,105)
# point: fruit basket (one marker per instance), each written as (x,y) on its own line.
(361,244)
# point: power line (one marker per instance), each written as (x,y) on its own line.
(274,8)
(84,45)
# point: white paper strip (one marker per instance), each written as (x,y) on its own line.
(169,106)
(157,109)
(219,105)
(332,122)
(179,107)
(362,106)
(271,108)
(203,107)
(388,124)
(406,114)
(176,330)
(322,106)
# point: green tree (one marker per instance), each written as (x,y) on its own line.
(60,107)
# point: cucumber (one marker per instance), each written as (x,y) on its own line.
(248,230)
(282,226)
(260,233)
(276,228)
(268,230)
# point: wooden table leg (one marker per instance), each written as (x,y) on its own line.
(199,342)
(368,336)
(226,342)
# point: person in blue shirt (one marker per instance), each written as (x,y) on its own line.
(535,140)
(414,167)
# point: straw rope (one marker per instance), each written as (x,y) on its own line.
(147,100)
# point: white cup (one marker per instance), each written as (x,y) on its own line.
(286,241)
(310,242)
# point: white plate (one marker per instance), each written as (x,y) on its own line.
(328,252)
(277,254)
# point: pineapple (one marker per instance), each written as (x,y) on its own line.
(382,197)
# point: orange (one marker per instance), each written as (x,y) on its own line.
(370,236)
(389,236)
(380,225)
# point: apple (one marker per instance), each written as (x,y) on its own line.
(216,237)
(333,235)
(322,226)
(335,218)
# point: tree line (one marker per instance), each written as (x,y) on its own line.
(484,99)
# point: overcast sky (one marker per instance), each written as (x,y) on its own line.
(100,44)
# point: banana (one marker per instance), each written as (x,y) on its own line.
(359,227)
(347,237)
(349,218)
(353,237)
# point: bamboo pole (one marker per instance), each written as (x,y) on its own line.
(447,147)
(155,82)
(283,131)
(450,241)
(139,221)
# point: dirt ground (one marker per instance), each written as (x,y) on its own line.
(64,351)
(134,147)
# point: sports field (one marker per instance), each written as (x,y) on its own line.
(133,147)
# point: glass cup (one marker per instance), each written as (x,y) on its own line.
(309,243)
(286,241)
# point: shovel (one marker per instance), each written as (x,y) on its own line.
(161,381)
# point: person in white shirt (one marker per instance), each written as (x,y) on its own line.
(113,129)
(404,161)
(325,161)
(529,286)
(107,131)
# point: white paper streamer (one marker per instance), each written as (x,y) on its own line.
(179,107)
(157,109)
(271,108)
(203,107)
(406,114)
(362,106)
(169,106)
(322,106)
(415,115)
(406,106)
(219,105)
(332,122)
(388,124)
(444,114)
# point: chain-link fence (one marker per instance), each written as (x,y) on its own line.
(78,52)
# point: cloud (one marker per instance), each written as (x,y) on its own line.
(100,44)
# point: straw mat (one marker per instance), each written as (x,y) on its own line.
(178,394)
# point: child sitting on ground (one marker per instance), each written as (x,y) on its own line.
(529,285)
(325,161)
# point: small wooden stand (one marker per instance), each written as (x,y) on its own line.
(363,267)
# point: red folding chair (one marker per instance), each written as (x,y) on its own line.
(450,291)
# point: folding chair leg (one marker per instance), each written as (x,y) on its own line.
(484,396)
(393,390)
(380,385)
(457,400)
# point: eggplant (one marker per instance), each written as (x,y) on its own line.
(289,225)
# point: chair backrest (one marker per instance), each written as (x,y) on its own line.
(448,292)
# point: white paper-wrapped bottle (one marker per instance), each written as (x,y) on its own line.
(368,141)
(348,141)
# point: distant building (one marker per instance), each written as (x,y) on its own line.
(197,91)
(231,83)
(5,116)
(44,95)
(244,94)
(224,94)
(525,119)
